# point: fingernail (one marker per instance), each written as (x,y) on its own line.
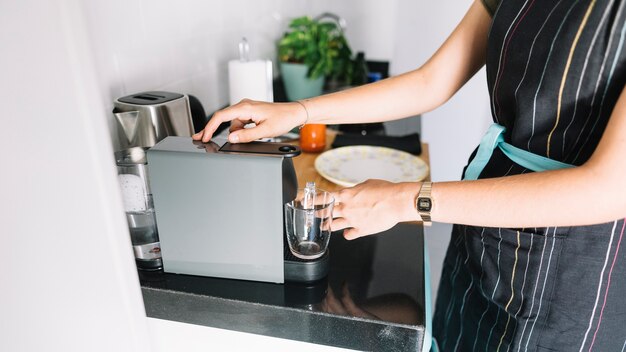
(233,138)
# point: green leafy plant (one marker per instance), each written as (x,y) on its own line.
(320,45)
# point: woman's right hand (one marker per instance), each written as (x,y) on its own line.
(271,119)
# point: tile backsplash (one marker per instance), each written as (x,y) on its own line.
(184,46)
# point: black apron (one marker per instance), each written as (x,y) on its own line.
(555,70)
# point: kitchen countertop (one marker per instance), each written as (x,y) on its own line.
(372,299)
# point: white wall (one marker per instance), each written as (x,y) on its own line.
(371,24)
(184,46)
(68,282)
(455,129)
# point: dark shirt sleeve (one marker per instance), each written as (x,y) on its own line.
(491,5)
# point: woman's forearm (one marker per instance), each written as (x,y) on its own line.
(416,92)
(386,100)
(458,59)
(570,197)
(553,198)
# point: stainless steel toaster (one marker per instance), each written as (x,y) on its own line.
(144,119)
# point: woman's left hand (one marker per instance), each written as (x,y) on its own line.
(373,206)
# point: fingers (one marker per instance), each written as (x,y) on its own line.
(206,133)
(351,234)
(236,125)
(335,196)
(339,224)
(237,111)
(218,118)
(338,210)
(338,204)
(245,135)
(342,196)
(271,119)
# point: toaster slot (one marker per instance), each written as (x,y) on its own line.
(148,97)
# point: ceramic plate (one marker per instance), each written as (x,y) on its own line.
(348,166)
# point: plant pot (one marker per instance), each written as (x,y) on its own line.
(297,84)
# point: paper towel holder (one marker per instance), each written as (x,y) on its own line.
(249,79)
(244,50)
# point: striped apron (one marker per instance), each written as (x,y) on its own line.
(555,70)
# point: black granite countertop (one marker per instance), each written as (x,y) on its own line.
(372,299)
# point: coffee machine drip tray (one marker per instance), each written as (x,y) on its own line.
(300,270)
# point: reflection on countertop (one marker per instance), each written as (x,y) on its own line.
(372,299)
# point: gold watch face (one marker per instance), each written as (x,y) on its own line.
(424,204)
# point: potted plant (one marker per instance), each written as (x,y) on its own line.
(311,51)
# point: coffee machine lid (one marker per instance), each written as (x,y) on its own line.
(150,98)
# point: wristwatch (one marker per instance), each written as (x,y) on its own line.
(424,203)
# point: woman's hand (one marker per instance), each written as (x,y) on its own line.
(374,206)
(271,119)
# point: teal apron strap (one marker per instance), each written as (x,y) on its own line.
(530,160)
(495,138)
(487,144)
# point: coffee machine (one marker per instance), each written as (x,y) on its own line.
(219,210)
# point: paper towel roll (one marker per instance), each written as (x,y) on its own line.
(250,79)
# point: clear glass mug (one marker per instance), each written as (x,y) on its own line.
(308,225)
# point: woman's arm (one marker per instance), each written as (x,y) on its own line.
(421,90)
(589,194)
(415,92)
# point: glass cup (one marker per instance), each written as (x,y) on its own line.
(308,225)
(132,172)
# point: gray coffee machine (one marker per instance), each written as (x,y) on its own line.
(219,210)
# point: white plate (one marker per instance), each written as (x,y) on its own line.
(348,166)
